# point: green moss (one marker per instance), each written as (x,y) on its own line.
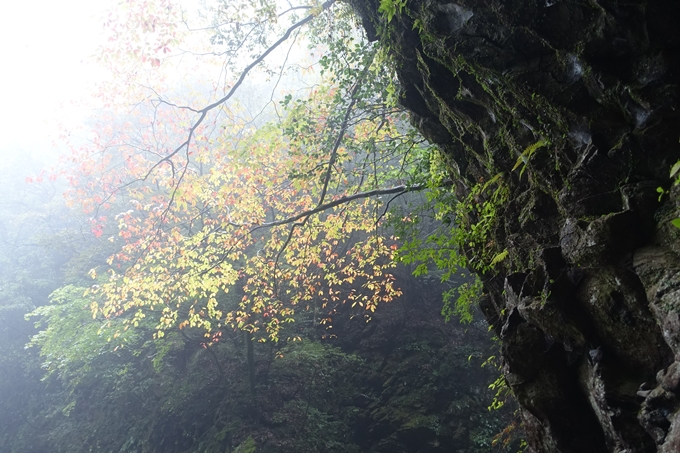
(247,446)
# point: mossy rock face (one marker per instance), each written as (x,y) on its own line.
(586,302)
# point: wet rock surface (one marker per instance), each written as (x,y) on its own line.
(582,97)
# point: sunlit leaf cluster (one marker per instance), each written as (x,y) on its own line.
(217,220)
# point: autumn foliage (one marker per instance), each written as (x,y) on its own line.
(220,220)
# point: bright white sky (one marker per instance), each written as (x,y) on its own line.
(44,49)
(46,66)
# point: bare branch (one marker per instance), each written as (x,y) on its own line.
(204,111)
(344,200)
(293,8)
(264,55)
(387,206)
(283,248)
(338,141)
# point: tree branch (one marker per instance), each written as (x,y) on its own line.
(338,140)
(204,111)
(324,6)
(396,191)
(343,200)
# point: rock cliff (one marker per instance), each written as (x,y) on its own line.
(560,118)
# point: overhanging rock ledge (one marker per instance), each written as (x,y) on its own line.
(584,95)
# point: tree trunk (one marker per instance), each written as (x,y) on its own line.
(250,355)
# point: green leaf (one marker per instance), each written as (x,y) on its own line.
(499,257)
(676,223)
(528,153)
(675,169)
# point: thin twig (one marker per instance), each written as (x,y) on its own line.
(204,111)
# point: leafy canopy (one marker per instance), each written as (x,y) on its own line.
(221,217)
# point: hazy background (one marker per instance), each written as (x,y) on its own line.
(44,49)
